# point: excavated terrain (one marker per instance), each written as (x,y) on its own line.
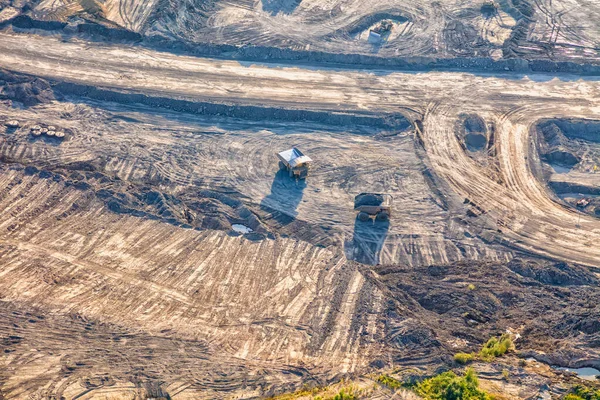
(124,273)
(571,153)
(334,31)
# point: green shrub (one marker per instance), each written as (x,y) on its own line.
(464,358)
(471,286)
(449,386)
(572,396)
(345,396)
(580,392)
(389,381)
(496,347)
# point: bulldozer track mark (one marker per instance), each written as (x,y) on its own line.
(134,213)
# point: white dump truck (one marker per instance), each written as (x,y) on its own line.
(295,162)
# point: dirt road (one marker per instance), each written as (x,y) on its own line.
(120,267)
(145,71)
(514,199)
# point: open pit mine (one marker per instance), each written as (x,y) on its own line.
(299,199)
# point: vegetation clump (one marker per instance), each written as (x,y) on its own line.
(464,358)
(345,396)
(496,347)
(390,382)
(449,386)
(344,392)
(580,392)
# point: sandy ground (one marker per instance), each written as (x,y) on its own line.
(262,313)
(531,220)
(543,29)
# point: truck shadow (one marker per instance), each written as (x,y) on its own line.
(376,46)
(286,194)
(275,7)
(367,241)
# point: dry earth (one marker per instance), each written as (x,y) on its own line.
(529,29)
(121,276)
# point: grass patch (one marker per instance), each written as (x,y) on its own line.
(390,382)
(449,386)
(464,358)
(496,347)
(580,392)
(339,391)
(345,395)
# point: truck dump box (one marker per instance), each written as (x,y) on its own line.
(295,162)
(375,205)
(368,199)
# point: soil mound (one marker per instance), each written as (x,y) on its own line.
(554,146)
(25,90)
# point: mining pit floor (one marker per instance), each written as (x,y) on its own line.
(121,275)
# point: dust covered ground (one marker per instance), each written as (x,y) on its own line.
(507,29)
(122,276)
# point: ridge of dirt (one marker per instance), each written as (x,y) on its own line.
(121,273)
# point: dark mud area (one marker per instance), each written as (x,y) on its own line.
(85,27)
(553,305)
(556,148)
(472,131)
(390,121)
(571,149)
(25,90)
(588,130)
(565,188)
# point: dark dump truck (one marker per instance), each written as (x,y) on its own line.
(373,205)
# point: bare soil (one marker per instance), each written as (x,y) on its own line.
(121,275)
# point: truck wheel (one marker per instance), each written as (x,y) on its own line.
(382,216)
(363,216)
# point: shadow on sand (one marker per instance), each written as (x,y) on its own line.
(286,194)
(367,241)
(275,7)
